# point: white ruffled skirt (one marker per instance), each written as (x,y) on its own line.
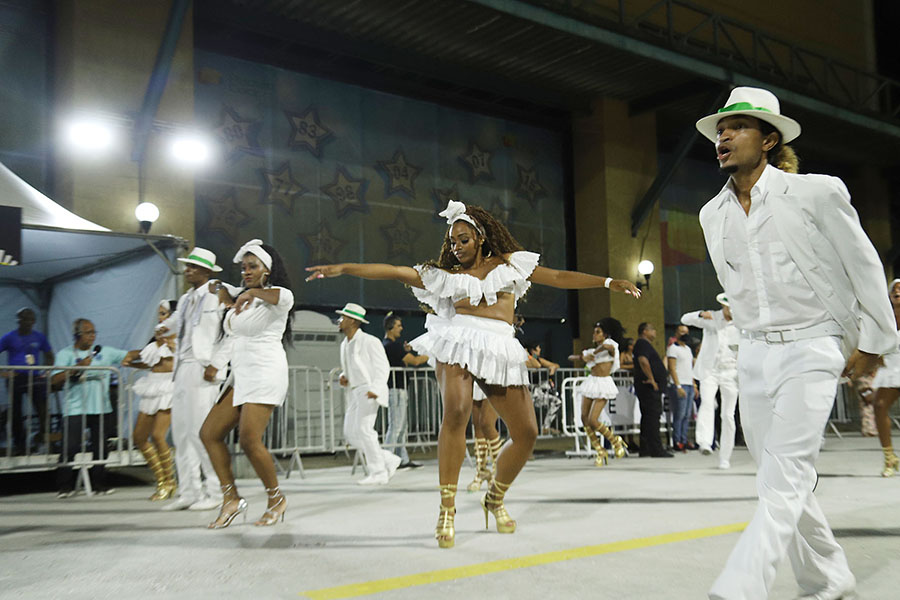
(888,376)
(597,387)
(155,391)
(487,348)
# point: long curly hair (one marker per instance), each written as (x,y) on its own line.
(497,239)
(781,156)
(613,330)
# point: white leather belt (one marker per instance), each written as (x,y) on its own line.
(792,335)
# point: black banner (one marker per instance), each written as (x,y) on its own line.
(10,235)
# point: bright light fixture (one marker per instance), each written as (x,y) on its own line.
(645,267)
(90,134)
(191,150)
(146,211)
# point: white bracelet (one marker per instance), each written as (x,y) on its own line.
(607,282)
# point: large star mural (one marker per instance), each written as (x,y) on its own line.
(528,186)
(280,188)
(323,247)
(308,132)
(400,237)
(478,163)
(224,216)
(399,175)
(441,197)
(237,134)
(347,193)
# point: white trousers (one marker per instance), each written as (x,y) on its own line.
(725,382)
(787,392)
(359,430)
(192,399)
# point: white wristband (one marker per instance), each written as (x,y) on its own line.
(607,282)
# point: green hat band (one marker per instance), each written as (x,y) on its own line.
(202,260)
(742,106)
(355,314)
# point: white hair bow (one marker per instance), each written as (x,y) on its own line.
(254,247)
(456,211)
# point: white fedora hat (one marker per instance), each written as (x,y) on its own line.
(722,299)
(755,102)
(202,258)
(354,311)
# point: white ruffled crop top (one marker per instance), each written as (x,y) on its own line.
(595,356)
(152,353)
(443,289)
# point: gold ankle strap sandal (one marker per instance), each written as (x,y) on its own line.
(493,503)
(482,473)
(445,532)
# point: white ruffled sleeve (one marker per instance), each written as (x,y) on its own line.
(152,353)
(524,263)
(438,292)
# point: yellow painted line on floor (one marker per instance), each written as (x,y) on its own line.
(394,583)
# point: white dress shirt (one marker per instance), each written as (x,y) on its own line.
(766,289)
(365,365)
(684,363)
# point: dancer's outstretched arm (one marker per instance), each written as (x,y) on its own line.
(406,275)
(575,280)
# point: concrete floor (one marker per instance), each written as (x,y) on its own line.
(636,529)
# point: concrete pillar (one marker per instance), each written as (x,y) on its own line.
(104,54)
(614,163)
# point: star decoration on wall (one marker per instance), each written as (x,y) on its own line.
(529,187)
(400,176)
(238,135)
(442,197)
(308,131)
(225,216)
(347,193)
(400,236)
(322,246)
(280,188)
(478,162)
(506,214)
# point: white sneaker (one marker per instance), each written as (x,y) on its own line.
(181,503)
(847,591)
(705,450)
(724,464)
(392,462)
(375,479)
(206,503)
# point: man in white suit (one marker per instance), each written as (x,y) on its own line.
(365,373)
(808,291)
(716,369)
(201,357)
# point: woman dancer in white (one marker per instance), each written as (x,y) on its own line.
(487,439)
(473,288)
(260,322)
(887,389)
(155,409)
(599,388)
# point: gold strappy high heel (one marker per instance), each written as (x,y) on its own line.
(445,532)
(493,503)
(225,518)
(152,458)
(602,457)
(618,444)
(891,462)
(167,489)
(276,511)
(482,473)
(494,446)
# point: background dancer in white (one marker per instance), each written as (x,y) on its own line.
(200,361)
(716,368)
(805,283)
(887,389)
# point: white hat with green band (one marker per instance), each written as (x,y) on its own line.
(755,102)
(202,258)
(354,311)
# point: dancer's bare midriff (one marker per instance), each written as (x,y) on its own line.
(602,370)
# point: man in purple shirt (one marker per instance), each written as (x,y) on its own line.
(23,346)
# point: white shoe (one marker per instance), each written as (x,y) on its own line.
(724,464)
(392,462)
(181,503)
(847,593)
(206,503)
(375,479)
(705,450)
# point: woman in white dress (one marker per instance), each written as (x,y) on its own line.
(155,409)
(260,322)
(473,287)
(599,388)
(887,389)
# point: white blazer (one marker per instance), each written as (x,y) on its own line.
(709,349)
(208,345)
(822,234)
(365,365)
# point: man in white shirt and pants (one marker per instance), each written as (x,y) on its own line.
(202,355)
(365,373)
(716,368)
(808,291)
